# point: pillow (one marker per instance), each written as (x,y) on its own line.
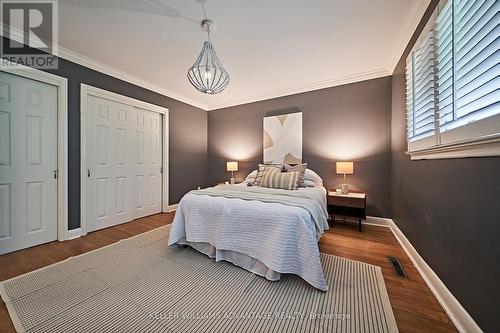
(274,178)
(260,172)
(251,177)
(310,183)
(301,168)
(312,178)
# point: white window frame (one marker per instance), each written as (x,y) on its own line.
(468,140)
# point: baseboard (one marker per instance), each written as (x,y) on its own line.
(74,233)
(171,208)
(378,221)
(458,315)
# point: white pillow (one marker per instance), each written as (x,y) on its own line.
(251,177)
(311,178)
(310,183)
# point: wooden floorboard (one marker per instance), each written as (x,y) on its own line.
(415,307)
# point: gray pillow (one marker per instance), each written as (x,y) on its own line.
(274,178)
(261,170)
(301,168)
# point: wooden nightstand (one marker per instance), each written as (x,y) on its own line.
(352,206)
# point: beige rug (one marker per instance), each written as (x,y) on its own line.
(141,285)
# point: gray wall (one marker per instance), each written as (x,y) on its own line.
(187,134)
(349,122)
(450,212)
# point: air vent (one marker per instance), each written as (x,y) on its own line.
(397,266)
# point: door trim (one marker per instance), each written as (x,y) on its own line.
(62,137)
(87,90)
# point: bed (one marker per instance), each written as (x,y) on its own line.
(266,231)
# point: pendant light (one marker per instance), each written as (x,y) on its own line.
(207,74)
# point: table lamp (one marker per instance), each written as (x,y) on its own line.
(232,166)
(345,168)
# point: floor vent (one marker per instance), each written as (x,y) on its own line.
(397,266)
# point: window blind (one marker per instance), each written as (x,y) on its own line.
(444,49)
(453,81)
(409,97)
(476,58)
(423,89)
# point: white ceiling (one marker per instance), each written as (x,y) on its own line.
(270,48)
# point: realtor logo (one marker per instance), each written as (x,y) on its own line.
(29,33)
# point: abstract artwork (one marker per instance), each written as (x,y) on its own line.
(283,139)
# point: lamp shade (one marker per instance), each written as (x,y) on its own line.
(346,168)
(232,166)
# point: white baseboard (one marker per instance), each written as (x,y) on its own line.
(171,208)
(458,315)
(378,221)
(74,233)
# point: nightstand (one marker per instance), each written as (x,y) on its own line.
(347,206)
(224,183)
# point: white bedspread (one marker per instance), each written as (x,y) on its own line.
(283,238)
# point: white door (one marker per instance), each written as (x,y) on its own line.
(28,162)
(123,154)
(148,133)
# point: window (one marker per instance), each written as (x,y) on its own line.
(453,82)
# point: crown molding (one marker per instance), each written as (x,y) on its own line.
(116,73)
(415,14)
(82,60)
(358,77)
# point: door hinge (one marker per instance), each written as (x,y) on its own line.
(55,173)
(161,169)
(88,173)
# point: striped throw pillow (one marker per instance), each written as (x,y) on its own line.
(283,180)
(301,168)
(262,170)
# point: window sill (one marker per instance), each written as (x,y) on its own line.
(489,146)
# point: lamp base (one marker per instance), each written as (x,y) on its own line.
(231,181)
(345,189)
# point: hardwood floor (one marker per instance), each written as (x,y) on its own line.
(23,261)
(415,307)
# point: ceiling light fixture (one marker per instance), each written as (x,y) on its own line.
(207,74)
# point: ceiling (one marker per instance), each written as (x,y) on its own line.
(270,48)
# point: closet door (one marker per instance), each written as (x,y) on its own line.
(108,163)
(147,162)
(123,154)
(28,162)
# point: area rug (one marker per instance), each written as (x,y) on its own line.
(141,285)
